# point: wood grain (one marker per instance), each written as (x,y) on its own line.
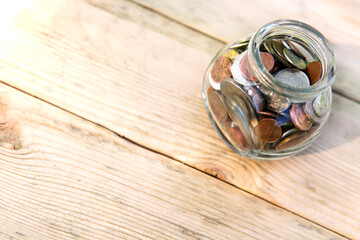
(135,80)
(226,20)
(62,177)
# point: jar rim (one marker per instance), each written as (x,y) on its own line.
(313,37)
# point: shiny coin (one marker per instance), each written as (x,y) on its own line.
(240,109)
(238,76)
(293,78)
(322,104)
(289,132)
(276,102)
(313,70)
(277,49)
(299,118)
(217,106)
(231,54)
(266,59)
(294,60)
(292,140)
(268,130)
(301,50)
(257,100)
(221,69)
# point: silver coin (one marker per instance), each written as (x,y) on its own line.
(322,103)
(302,51)
(277,51)
(293,78)
(236,72)
(289,132)
(295,60)
(240,110)
(276,102)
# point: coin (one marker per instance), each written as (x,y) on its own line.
(266,59)
(313,70)
(268,130)
(292,140)
(289,132)
(322,104)
(244,68)
(301,50)
(217,106)
(299,118)
(231,54)
(257,99)
(237,135)
(294,59)
(238,76)
(210,89)
(240,109)
(290,45)
(276,102)
(266,115)
(221,69)
(241,46)
(277,49)
(293,78)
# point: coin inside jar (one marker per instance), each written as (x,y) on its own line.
(293,78)
(322,104)
(292,140)
(221,69)
(236,135)
(295,60)
(313,70)
(217,106)
(299,118)
(268,130)
(239,108)
(236,72)
(257,100)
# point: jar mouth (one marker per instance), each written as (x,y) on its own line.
(305,35)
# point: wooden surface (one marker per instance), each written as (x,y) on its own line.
(106,135)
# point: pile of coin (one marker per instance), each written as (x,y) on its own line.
(252,116)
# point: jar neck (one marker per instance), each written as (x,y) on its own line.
(304,35)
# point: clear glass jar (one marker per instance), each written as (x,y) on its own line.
(269,97)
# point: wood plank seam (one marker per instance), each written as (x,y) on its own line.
(172,158)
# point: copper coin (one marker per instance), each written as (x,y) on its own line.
(221,69)
(299,118)
(210,89)
(217,106)
(267,60)
(268,130)
(313,70)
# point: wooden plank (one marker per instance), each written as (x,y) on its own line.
(226,20)
(64,178)
(146,86)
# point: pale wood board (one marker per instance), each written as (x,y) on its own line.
(226,20)
(62,177)
(135,80)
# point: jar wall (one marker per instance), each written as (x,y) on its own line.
(254,120)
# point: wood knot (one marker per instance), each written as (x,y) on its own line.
(9,127)
(219,172)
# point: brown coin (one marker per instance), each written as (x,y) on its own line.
(299,118)
(267,60)
(313,70)
(217,106)
(221,69)
(210,89)
(268,130)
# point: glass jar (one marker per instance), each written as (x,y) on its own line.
(269,97)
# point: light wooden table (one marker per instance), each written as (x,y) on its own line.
(104,133)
